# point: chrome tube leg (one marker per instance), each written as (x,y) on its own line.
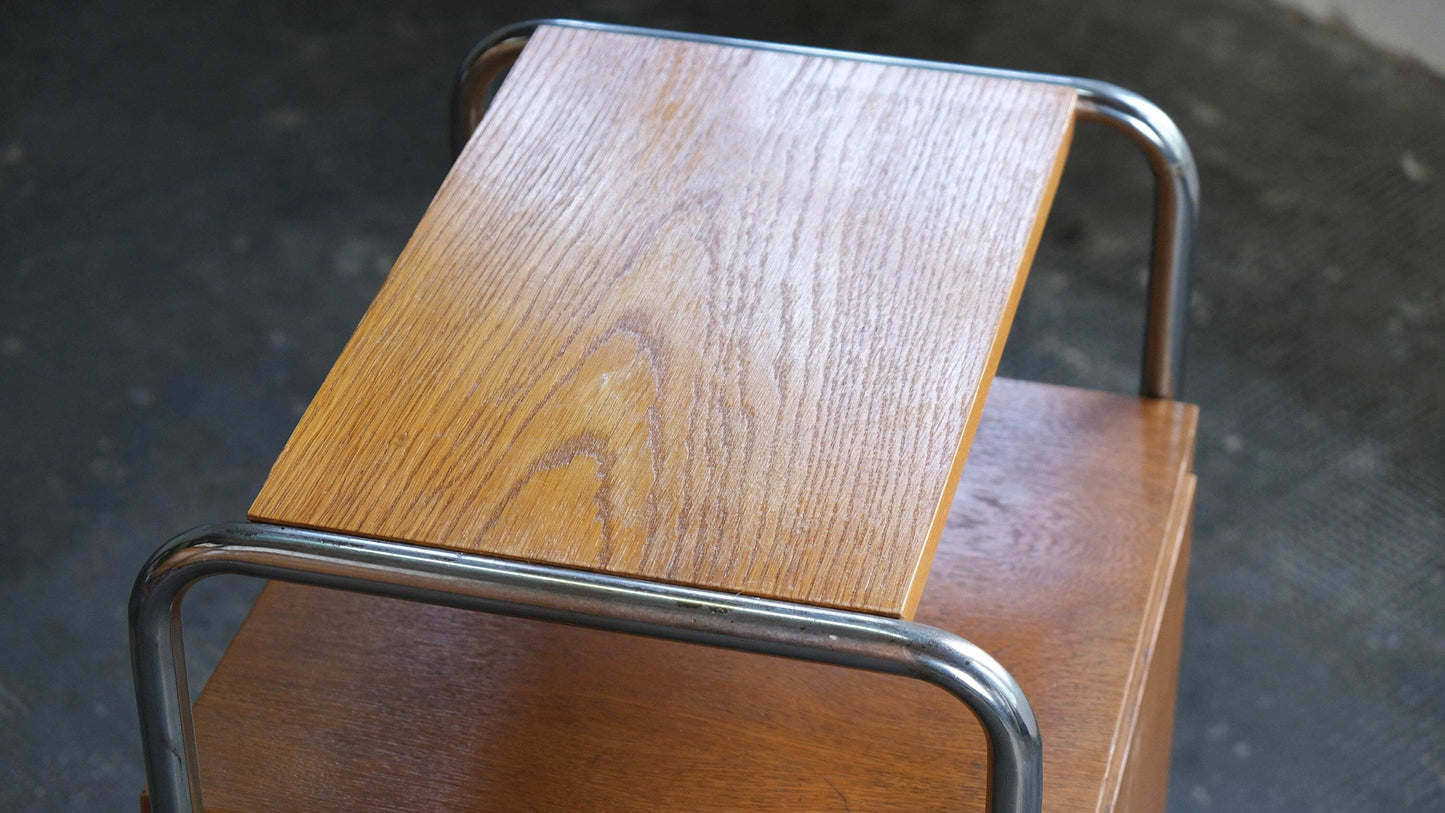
(1176,214)
(158,662)
(1015,748)
(524,590)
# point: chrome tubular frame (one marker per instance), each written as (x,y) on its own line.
(596,600)
(1176,199)
(634,606)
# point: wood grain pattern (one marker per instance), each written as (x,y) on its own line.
(708,315)
(1067,534)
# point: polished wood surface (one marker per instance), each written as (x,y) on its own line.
(1064,556)
(709,315)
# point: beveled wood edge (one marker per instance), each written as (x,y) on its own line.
(921,565)
(1144,785)
(1169,569)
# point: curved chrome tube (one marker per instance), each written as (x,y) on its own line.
(1176,215)
(1176,200)
(597,600)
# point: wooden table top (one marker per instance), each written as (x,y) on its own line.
(709,315)
(1065,539)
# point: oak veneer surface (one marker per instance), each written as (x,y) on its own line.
(1062,550)
(709,315)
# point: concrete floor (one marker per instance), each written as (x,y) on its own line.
(197,201)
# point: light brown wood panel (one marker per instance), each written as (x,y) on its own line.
(1144,771)
(708,315)
(1066,536)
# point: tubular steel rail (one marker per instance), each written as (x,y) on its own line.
(620,604)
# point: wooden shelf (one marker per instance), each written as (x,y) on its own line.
(694,313)
(1064,556)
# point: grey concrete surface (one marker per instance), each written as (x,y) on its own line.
(1414,29)
(198,200)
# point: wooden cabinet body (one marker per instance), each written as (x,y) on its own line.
(1064,556)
